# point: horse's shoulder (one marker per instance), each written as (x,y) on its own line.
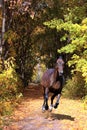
(47,73)
(51,70)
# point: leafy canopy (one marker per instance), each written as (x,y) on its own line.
(76,37)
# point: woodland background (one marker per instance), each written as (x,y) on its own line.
(36,32)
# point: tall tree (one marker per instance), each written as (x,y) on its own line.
(74,28)
(20,24)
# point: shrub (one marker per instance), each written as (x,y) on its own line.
(75,87)
(10,88)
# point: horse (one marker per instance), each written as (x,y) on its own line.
(52,81)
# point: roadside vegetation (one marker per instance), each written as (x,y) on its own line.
(37,32)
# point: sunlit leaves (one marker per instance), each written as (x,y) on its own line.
(77,35)
(69,49)
(54,23)
(84,21)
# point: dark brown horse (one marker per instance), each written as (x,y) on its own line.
(52,81)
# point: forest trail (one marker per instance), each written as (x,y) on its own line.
(70,115)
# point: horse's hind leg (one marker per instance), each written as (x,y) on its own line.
(45,104)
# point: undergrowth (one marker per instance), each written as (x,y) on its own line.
(11,89)
(75,87)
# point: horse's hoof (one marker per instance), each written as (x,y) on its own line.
(56,105)
(43,109)
(50,108)
(46,107)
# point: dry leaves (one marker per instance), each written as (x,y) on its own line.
(70,114)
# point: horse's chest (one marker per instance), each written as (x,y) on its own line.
(56,85)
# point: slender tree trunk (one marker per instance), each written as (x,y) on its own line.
(2,33)
(3,24)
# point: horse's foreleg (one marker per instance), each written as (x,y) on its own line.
(45,104)
(52,98)
(58,96)
(57,101)
(46,98)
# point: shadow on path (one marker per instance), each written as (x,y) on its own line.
(61,117)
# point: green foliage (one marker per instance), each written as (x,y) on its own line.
(75,87)
(76,14)
(77,46)
(54,23)
(73,28)
(27,39)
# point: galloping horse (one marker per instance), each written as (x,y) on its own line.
(52,81)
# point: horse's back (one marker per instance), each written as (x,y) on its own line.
(45,81)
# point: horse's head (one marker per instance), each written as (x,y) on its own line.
(59,66)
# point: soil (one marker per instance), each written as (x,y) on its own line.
(70,114)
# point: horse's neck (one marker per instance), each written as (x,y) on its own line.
(56,74)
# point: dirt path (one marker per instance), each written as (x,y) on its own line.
(28,116)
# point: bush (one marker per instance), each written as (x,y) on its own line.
(10,89)
(75,87)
